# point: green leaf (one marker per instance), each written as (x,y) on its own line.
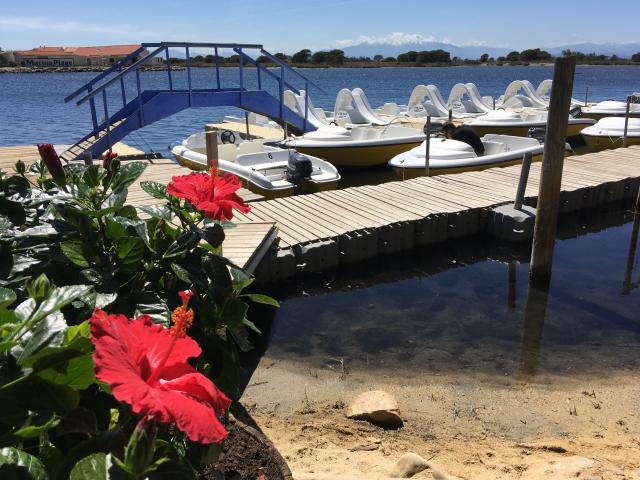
(5,224)
(65,360)
(61,297)
(14,211)
(155,189)
(93,467)
(264,299)
(92,176)
(127,174)
(129,250)
(17,464)
(234,312)
(180,272)
(74,251)
(80,420)
(7,297)
(115,229)
(158,211)
(38,426)
(241,279)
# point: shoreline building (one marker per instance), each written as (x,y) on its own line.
(74,56)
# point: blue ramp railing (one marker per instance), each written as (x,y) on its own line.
(113,115)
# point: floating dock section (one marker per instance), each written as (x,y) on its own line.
(323,230)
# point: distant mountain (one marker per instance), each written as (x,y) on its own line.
(624,50)
(386,50)
(371,49)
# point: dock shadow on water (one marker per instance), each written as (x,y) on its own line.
(467,308)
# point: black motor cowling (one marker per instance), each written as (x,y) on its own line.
(299,168)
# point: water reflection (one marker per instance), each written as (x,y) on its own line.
(533,326)
(467,307)
(628,283)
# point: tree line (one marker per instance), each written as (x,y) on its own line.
(336,57)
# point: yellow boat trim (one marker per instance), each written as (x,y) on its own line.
(358,156)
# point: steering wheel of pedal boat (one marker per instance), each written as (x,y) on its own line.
(228,137)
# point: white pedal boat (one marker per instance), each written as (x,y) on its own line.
(505,122)
(609,108)
(262,168)
(609,132)
(452,156)
(356,147)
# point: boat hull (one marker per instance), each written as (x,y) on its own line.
(407,173)
(307,187)
(523,131)
(358,156)
(602,142)
(601,115)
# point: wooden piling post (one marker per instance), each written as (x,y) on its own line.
(544,233)
(427,141)
(88,159)
(211,139)
(625,141)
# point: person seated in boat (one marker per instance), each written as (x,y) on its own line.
(463,134)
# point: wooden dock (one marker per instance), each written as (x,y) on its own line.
(323,230)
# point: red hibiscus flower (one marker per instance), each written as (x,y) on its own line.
(146,366)
(52,161)
(215,196)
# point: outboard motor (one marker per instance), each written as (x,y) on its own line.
(537,133)
(575,112)
(299,168)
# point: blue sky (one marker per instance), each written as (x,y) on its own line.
(285,25)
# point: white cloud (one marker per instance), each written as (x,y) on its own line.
(48,25)
(401,38)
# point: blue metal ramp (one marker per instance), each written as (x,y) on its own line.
(150,105)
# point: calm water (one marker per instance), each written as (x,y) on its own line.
(32,109)
(463,308)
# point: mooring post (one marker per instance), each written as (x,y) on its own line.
(586,95)
(625,141)
(544,233)
(427,142)
(88,159)
(494,102)
(524,178)
(211,138)
(246,125)
(450,115)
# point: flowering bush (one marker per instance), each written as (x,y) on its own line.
(119,327)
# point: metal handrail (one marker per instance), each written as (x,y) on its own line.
(286,66)
(264,69)
(105,73)
(111,81)
(230,46)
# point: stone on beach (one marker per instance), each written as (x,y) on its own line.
(377,407)
(409,465)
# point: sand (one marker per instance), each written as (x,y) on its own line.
(467,425)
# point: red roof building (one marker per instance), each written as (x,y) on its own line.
(73,56)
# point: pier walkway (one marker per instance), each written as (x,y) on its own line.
(322,230)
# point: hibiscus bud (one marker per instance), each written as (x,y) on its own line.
(20,167)
(39,288)
(108,160)
(140,450)
(53,163)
